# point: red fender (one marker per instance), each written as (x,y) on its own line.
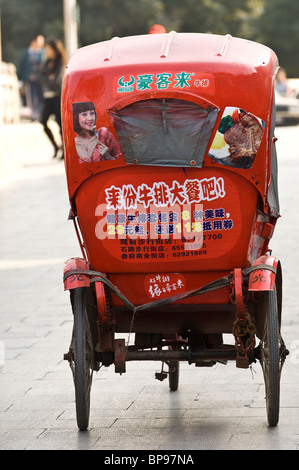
(72,281)
(263,279)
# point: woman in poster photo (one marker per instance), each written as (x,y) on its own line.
(92,145)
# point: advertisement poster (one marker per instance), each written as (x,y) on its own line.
(168,221)
(237,139)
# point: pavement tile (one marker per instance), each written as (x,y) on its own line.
(214,408)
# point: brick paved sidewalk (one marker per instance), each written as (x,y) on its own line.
(218,408)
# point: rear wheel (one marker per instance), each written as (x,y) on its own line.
(271,356)
(173,375)
(82,357)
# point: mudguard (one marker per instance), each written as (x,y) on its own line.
(72,281)
(263,279)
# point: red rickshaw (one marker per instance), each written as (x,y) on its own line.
(172,179)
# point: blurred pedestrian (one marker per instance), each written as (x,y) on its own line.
(28,68)
(51,78)
(157,29)
(281,83)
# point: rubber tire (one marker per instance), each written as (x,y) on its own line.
(173,376)
(270,357)
(83,358)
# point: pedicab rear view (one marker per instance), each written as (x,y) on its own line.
(172,180)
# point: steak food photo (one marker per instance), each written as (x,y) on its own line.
(238,138)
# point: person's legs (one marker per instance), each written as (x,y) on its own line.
(57,114)
(47,111)
(36,100)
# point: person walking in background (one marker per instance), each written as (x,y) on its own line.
(281,83)
(51,79)
(28,68)
(157,29)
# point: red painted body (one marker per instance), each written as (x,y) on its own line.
(238,220)
(263,279)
